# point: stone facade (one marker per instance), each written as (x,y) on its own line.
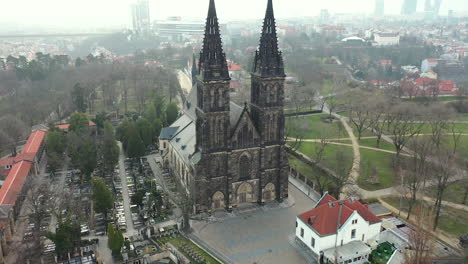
(238,154)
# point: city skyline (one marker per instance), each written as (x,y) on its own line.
(88,13)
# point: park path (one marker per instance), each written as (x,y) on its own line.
(349,145)
(356,168)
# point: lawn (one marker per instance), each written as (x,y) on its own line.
(452,221)
(383,162)
(179,241)
(329,159)
(454,192)
(312,127)
(372,142)
(302,167)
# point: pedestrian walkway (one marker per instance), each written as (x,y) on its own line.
(126,198)
(304,188)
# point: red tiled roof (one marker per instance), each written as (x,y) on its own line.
(67,126)
(234,67)
(385,61)
(34,142)
(12,160)
(422,81)
(14,182)
(324,217)
(432,60)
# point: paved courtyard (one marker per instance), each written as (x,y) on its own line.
(263,236)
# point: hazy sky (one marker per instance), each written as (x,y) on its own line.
(103,13)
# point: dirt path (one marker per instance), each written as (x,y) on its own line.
(350,145)
(354,174)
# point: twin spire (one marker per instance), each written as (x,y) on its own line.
(213,65)
(268,61)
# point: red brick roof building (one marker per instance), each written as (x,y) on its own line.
(338,224)
(12,192)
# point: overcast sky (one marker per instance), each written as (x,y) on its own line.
(103,13)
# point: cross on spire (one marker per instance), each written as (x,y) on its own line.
(213,65)
(268,60)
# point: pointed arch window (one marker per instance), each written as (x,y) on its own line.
(244,168)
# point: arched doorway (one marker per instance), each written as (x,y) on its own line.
(269,193)
(245,193)
(218,201)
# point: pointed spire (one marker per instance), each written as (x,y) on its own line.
(212,9)
(213,65)
(268,59)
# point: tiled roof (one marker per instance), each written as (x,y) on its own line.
(67,126)
(324,217)
(234,67)
(34,142)
(22,165)
(14,182)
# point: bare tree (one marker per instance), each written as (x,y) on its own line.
(444,169)
(403,123)
(415,169)
(320,178)
(378,117)
(342,170)
(359,111)
(13,128)
(421,241)
(438,115)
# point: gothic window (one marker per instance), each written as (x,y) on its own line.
(220,98)
(213,97)
(220,133)
(244,168)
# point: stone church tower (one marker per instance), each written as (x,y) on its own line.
(227,155)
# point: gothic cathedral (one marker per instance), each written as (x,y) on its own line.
(226,155)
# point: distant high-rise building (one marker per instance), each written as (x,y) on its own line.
(324,15)
(409,7)
(379,7)
(432,7)
(141,16)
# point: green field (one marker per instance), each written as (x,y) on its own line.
(300,166)
(372,142)
(311,127)
(452,221)
(454,192)
(383,162)
(329,159)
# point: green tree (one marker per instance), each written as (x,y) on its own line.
(145,131)
(79,122)
(55,142)
(115,240)
(83,153)
(157,126)
(172,112)
(66,237)
(137,198)
(110,149)
(102,196)
(79,97)
(135,146)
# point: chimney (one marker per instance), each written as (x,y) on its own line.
(309,221)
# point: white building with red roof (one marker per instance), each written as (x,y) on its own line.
(338,231)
